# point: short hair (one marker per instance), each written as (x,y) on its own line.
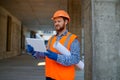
(64,18)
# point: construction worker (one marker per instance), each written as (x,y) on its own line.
(59,66)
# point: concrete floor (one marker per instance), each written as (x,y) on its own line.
(25,67)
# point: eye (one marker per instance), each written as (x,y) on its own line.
(55,21)
(59,21)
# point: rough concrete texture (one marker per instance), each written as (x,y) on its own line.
(106,41)
(10,35)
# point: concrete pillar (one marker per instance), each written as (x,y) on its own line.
(3,29)
(74,10)
(106,39)
(118,49)
(16,38)
(86,20)
(101,22)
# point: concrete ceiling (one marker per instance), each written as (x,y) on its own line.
(34,14)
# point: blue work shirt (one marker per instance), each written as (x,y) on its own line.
(74,50)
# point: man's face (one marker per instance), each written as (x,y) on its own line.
(59,24)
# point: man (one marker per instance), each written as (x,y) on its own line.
(59,66)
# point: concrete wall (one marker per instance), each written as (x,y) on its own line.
(106,39)
(14,35)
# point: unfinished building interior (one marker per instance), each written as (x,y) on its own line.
(95,22)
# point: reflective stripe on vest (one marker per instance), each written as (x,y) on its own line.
(67,40)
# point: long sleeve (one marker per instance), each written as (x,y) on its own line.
(75,55)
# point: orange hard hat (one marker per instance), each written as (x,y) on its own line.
(61,13)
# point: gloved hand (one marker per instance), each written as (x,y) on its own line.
(36,54)
(51,55)
(30,49)
(39,55)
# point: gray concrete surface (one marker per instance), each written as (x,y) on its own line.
(25,67)
(106,40)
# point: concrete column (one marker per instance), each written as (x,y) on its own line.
(86,20)
(118,24)
(16,38)
(3,30)
(101,22)
(74,9)
(106,39)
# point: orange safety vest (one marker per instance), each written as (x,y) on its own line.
(54,69)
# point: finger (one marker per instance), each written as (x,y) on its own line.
(49,51)
(46,53)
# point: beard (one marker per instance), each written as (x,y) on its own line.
(60,28)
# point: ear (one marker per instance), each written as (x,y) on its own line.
(66,22)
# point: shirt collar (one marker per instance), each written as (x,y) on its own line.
(63,34)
